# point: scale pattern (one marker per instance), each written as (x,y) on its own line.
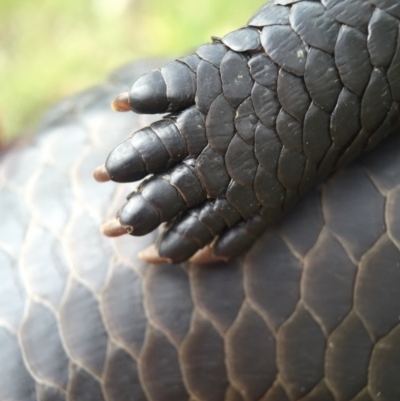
(311,313)
(261,115)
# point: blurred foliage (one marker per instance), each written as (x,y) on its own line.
(52,48)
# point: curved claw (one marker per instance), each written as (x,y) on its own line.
(151,255)
(100,174)
(121,102)
(113,228)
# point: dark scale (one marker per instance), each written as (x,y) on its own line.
(151,149)
(212,53)
(220,124)
(242,199)
(236,79)
(243,40)
(289,131)
(241,162)
(316,133)
(270,15)
(292,95)
(355,13)
(390,6)
(322,79)
(209,86)
(382,38)
(315,25)
(376,101)
(259,118)
(345,119)
(285,47)
(191,61)
(352,59)
(266,105)
(246,121)
(393,73)
(211,169)
(264,71)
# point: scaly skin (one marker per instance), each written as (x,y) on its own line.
(258,118)
(310,313)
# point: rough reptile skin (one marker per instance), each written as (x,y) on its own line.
(258,118)
(310,313)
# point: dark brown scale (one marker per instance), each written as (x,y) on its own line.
(239,239)
(285,48)
(269,190)
(264,71)
(151,149)
(352,59)
(353,150)
(236,79)
(240,162)
(184,179)
(191,61)
(270,15)
(266,106)
(243,40)
(382,38)
(208,217)
(290,168)
(316,133)
(172,140)
(213,53)
(175,247)
(355,13)
(289,131)
(180,81)
(230,215)
(315,25)
(211,170)
(141,223)
(125,163)
(242,199)
(209,86)
(376,101)
(191,124)
(220,124)
(386,127)
(267,147)
(394,71)
(322,79)
(246,121)
(293,95)
(190,227)
(345,119)
(390,6)
(149,94)
(164,197)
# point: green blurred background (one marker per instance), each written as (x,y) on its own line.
(52,48)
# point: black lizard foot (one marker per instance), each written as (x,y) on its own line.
(256,119)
